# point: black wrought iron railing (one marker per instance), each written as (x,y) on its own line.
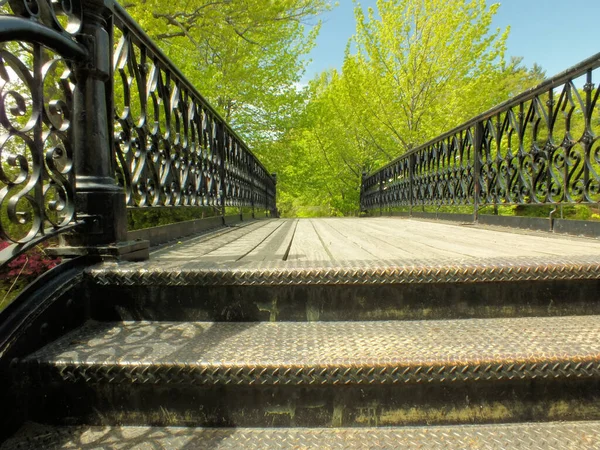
(541,147)
(94,119)
(172,147)
(37,181)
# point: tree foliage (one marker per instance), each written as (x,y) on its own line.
(414,69)
(245,56)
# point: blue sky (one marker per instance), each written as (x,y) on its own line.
(556,34)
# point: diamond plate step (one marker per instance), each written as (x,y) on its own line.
(346,290)
(319,373)
(184,271)
(320,353)
(530,436)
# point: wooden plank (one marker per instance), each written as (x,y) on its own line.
(239,248)
(306,245)
(474,241)
(447,241)
(399,238)
(339,246)
(359,233)
(346,239)
(197,247)
(275,247)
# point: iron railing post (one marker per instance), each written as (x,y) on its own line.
(274,212)
(99,199)
(363,179)
(411,184)
(252,172)
(221,152)
(380,196)
(477,156)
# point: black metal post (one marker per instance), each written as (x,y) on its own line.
(362,207)
(380,196)
(99,199)
(221,151)
(411,184)
(477,153)
(274,212)
(252,172)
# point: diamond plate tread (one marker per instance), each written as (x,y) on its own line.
(283,273)
(531,436)
(324,353)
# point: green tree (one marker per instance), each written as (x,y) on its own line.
(414,69)
(426,66)
(247,57)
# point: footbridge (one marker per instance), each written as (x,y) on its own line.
(433,320)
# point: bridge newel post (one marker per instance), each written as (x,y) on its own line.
(411,184)
(222,185)
(99,200)
(274,212)
(380,196)
(477,154)
(363,178)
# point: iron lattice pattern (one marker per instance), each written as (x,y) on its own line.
(324,353)
(36,105)
(540,148)
(535,436)
(173,149)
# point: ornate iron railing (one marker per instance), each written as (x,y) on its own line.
(86,132)
(37,188)
(173,148)
(541,147)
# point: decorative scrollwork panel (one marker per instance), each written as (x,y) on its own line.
(172,148)
(36,104)
(443,170)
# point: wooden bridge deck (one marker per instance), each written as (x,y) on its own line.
(340,240)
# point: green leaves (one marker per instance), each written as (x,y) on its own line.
(413,70)
(245,56)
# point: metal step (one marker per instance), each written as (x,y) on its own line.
(345,290)
(317,353)
(184,270)
(319,373)
(538,436)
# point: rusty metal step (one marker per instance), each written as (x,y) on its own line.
(320,373)
(382,290)
(530,436)
(316,353)
(374,272)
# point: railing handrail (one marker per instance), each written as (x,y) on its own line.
(20,29)
(579,69)
(141,35)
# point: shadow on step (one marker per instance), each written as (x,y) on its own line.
(34,436)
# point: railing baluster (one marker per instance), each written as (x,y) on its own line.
(381,193)
(252,172)
(221,153)
(273,207)
(477,154)
(411,182)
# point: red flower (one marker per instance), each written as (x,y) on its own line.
(29,265)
